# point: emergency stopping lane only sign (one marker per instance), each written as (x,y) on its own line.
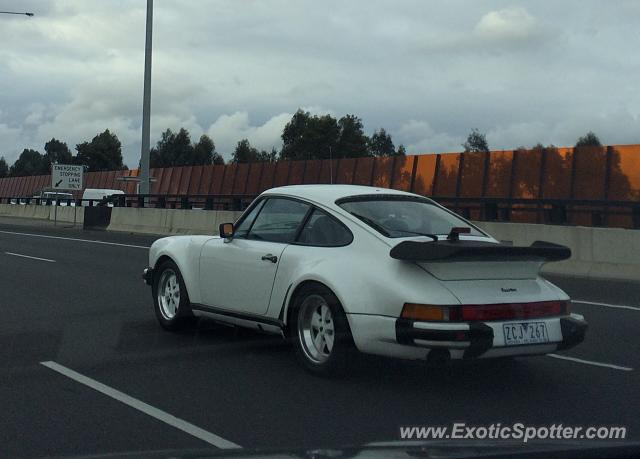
(66,177)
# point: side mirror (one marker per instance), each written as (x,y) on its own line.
(226,230)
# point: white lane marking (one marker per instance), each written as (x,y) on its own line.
(608,305)
(30,257)
(590,362)
(76,239)
(156,413)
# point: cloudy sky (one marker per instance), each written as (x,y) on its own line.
(427,71)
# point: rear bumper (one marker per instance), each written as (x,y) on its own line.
(465,340)
(147,275)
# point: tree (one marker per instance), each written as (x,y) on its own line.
(476,142)
(310,137)
(56,151)
(218,160)
(401,151)
(30,162)
(268,156)
(588,140)
(381,144)
(103,153)
(244,153)
(352,142)
(4,168)
(175,149)
(203,151)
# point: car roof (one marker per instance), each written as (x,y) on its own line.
(329,194)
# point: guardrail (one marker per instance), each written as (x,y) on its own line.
(48,201)
(176,201)
(597,213)
(158,201)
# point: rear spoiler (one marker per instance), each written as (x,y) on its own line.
(445,250)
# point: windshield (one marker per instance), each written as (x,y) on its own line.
(404,217)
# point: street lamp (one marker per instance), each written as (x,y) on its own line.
(146,105)
(13,12)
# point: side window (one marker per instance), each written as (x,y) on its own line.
(323,230)
(242,229)
(279,220)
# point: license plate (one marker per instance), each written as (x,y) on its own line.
(517,333)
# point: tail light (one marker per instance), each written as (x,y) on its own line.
(469,313)
(484,312)
(425,312)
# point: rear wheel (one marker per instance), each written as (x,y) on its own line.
(170,297)
(320,332)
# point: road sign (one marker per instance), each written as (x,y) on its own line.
(66,177)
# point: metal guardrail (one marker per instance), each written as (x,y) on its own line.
(177,201)
(51,201)
(596,213)
(158,201)
(549,211)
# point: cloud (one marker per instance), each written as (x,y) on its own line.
(227,130)
(420,137)
(9,137)
(513,23)
(428,72)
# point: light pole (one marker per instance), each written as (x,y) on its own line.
(13,12)
(146,105)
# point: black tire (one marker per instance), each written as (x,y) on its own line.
(183,315)
(342,351)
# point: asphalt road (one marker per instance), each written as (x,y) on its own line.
(88,310)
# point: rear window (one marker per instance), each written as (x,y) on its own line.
(400,216)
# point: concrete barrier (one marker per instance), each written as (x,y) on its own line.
(65,214)
(169,221)
(23,211)
(611,253)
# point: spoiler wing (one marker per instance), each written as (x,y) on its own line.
(445,250)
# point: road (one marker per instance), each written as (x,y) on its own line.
(82,304)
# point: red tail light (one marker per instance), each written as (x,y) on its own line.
(508,311)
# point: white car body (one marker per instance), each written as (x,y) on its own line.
(227,280)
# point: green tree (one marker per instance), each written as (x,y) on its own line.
(204,152)
(310,137)
(4,168)
(56,151)
(401,151)
(381,144)
(476,142)
(30,162)
(588,140)
(103,153)
(175,149)
(268,156)
(352,142)
(244,153)
(218,160)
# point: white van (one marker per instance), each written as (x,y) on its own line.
(97,195)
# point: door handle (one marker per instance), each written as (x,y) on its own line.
(269,257)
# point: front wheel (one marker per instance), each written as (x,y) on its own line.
(320,332)
(170,298)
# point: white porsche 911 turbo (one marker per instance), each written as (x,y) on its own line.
(341,267)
